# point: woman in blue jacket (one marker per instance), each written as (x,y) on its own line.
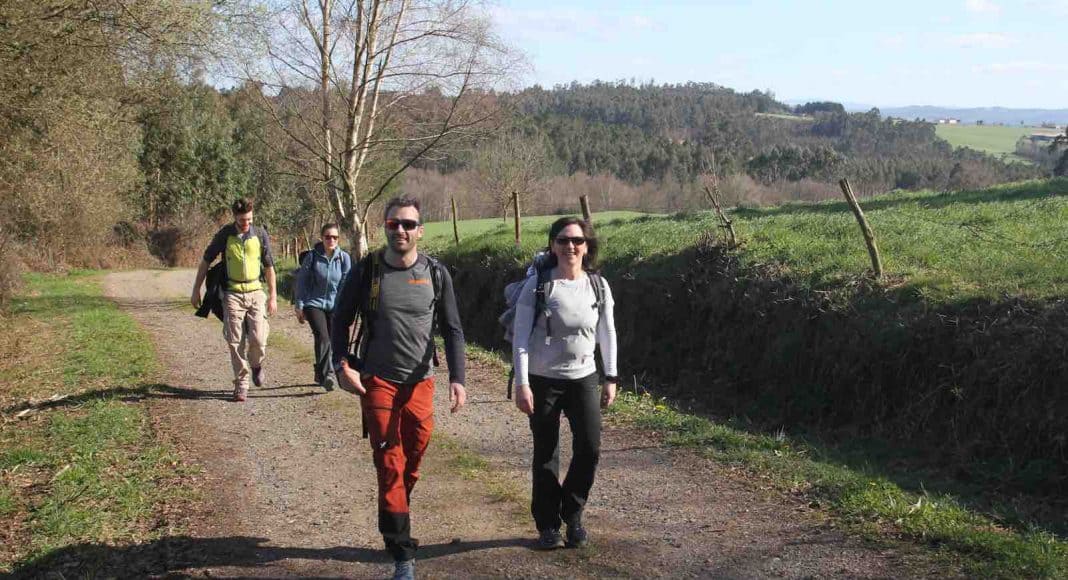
(322,274)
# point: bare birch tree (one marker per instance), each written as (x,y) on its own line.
(377,86)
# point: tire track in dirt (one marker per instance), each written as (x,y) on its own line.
(290,488)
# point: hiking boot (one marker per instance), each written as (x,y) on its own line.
(319,378)
(329,383)
(549,539)
(240,394)
(404,570)
(257,376)
(577,536)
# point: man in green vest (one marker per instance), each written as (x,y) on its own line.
(246,249)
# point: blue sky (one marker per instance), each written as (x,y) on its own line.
(962,53)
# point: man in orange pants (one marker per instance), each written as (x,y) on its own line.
(401,297)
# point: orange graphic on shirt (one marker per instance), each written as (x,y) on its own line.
(419,281)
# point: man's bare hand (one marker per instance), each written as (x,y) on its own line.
(350,380)
(272,305)
(524,399)
(300,314)
(195,298)
(457,396)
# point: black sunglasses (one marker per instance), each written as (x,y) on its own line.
(563,240)
(329,237)
(408,225)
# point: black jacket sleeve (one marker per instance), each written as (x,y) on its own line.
(348,301)
(451,331)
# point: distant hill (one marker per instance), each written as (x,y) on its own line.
(989,115)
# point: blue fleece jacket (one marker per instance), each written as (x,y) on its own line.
(320,277)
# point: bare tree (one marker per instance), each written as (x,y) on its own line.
(512,163)
(377,86)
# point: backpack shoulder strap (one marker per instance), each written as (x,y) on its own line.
(370,285)
(435,276)
(541,296)
(598,290)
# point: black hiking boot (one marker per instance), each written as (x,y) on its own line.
(257,376)
(549,539)
(577,536)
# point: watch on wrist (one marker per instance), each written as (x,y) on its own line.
(611,379)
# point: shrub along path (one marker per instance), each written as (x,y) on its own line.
(290,490)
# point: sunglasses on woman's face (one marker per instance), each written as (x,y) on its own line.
(329,237)
(563,240)
(408,225)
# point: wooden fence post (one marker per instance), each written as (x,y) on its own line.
(455,228)
(515,204)
(587,215)
(865,228)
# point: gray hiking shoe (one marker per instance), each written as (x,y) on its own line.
(257,376)
(329,383)
(404,570)
(240,394)
(549,539)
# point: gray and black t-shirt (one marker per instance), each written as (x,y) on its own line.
(400,347)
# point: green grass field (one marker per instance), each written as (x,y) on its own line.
(439,234)
(1006,240)
(87,469)
(993,139)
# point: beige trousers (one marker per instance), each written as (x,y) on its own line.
(245,322)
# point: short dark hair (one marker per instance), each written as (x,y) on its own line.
(589,261)
(401,201)
(329,226)
(242,205)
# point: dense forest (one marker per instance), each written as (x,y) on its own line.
(649,132)
(120,142)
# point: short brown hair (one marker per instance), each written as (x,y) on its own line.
(242,205)
(329,226)
(402,201)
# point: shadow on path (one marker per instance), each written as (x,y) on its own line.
(160,391)
(185,552)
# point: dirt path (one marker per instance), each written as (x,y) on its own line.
(290,489)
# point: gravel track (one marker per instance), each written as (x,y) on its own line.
(290,489)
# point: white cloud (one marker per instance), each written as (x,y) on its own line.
(1018,67)
(982,7)
(892,40)
(572,22)
(1054,7)
(982,40)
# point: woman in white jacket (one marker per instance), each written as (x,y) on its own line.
(564,312)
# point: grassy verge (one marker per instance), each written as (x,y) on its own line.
(79,466)
(868,503)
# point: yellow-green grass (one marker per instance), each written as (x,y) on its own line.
(994,139)
(786,117)
(1005,240)
(86,469)
(439,235)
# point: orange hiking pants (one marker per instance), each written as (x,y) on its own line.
(399,420)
